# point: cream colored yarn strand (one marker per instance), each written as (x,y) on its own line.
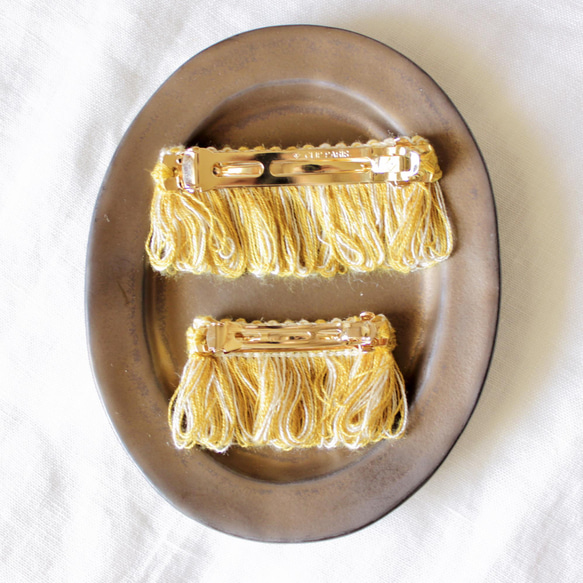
(300,231)
(320,398)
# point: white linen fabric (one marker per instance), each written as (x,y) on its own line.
(507,504)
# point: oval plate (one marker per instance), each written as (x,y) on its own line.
(287,86)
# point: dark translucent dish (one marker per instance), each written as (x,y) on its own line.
(288,86)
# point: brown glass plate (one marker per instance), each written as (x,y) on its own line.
(286,86)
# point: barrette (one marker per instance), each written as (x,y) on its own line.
(299,211)
(289,385)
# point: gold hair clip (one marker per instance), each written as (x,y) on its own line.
(228,336)
(200,169)
(289,385)
(299,211)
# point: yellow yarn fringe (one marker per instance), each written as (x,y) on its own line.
(300,231)
(288,400)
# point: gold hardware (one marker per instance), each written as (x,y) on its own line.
(201,169)
(240,170)
(353,333)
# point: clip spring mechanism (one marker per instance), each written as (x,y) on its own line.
(235,337)
(202,169)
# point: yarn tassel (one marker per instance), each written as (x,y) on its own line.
(298,231)
(321,398)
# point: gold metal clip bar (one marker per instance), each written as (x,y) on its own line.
(201,169)
(231,337)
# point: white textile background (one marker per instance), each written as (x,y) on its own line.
(507,504)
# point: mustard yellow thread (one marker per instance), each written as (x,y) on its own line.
(288,400)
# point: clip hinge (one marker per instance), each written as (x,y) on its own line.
(355,333)
(201,169)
